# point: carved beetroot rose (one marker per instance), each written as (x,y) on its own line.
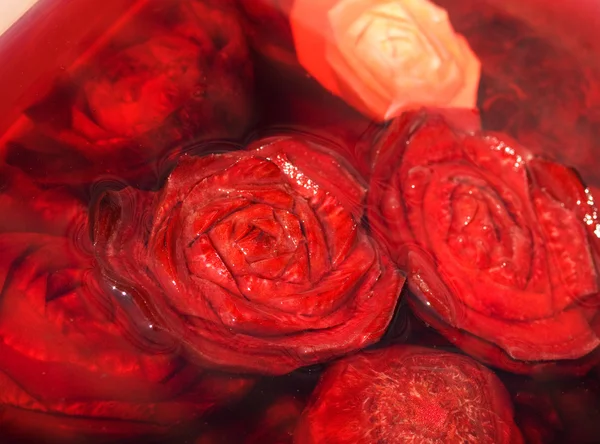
(501,247)
(70,367)
(256,260)
(408,394)
(384,57)
(186,77)
(180,81)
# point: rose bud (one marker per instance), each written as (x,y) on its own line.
(408,394)
(386,56)
(501,247)
(70,369)
(256,260)
(187,80)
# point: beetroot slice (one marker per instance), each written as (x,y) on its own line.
(256,260)
(408,394)
(497,242)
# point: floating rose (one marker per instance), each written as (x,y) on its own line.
(385,56)
(408,394)
(255,259)
(502,247)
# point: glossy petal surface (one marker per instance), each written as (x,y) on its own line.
(255,259)
(498,243)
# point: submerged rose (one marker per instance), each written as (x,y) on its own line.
(70,368)
(499,245)
(178,82)
(408,394)
(137,89)
(255,259)
(385,56)
(186,76)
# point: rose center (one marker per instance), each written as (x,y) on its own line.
(484,235)
(260,240)
(433,402)
(257,244)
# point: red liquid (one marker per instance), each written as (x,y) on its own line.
(60,153)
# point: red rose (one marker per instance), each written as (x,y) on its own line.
(179,82)
(187,77)
(68,370)
(408,394)
(500,246)
(255,259)
(384,57)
